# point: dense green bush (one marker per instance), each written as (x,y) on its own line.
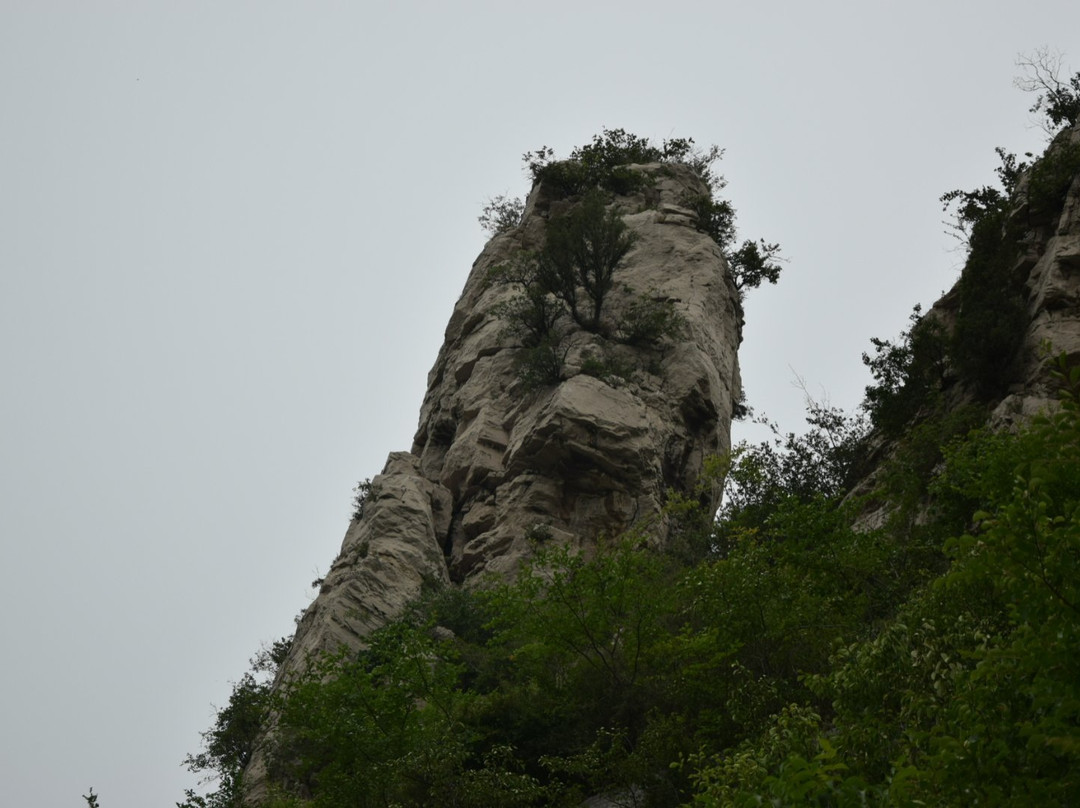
(824,461)
(648,321)
(992,313)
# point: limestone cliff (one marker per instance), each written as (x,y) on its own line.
(494,463)
(1048,269)
(1045,288)
(497,463)
(1051,267)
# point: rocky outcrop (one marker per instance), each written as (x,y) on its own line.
(386,558)
(1051,264)
(498,464)
(1048,264)
(589,456)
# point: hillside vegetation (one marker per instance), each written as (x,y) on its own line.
(784,653)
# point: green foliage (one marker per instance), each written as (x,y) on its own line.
(971,693)
(808,771)
(715,217)
(607,367)
(990,308)
(1050,178)
(751,263)
(91,799)
(754,262)
(908,374)
(824,461)
(992,314)
(362,494)
(534,314)
(907,481)
(605,163)
(378,728)
(648,321)
(501,214)
(543,364)
(228,746)
(582,250)
(568,280)
(776,657)
(571,277)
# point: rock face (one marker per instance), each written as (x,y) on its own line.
(1052,266)
(497,463)
(589,456)
(1049,264)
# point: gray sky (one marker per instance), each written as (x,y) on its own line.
(231,235)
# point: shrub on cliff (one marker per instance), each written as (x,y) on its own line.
(582,250)
(501,214)
(605,162)
(569,279)
(228,746)
(991,311)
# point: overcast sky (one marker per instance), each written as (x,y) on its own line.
(231,235)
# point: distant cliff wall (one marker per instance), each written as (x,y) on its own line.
(1040,242)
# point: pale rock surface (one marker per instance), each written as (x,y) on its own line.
(1053,284)
(586,458)
(386,557)
(1051,265)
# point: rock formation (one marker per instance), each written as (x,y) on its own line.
(1051,264)
(497,463)
(1047,272)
